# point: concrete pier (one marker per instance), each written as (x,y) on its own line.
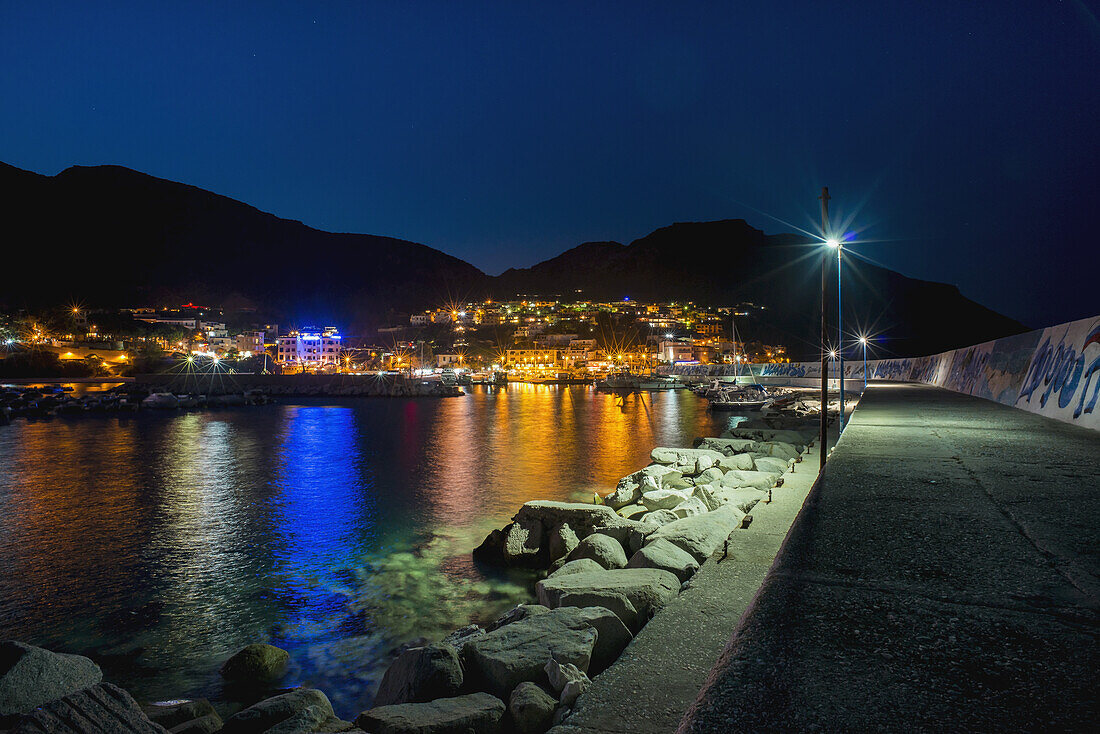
(943,575)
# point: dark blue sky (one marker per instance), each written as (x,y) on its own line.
(964,137)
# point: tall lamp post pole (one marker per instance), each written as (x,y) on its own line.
(824,330)
(863,341)
(840,338)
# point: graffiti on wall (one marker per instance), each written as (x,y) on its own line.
(1062,380)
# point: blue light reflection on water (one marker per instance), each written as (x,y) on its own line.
(161,543)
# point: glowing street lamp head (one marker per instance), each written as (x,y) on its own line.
(832,354)
(832,242)
(863,340)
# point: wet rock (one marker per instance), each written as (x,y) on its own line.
(589,638)
(602,549)
(421,674)
(756,479)
(516,613)
(561,542)
(101,708)
(646,590)
(257,664)
(261,716)
(522,544)
(30,676)
(461,636)
(531,708)
(581,565)
(491,549)
(475,712)
(699,535)
(665,556)
(582,518)
(184,717)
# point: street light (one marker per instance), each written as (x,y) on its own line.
(833,242)
(863,341)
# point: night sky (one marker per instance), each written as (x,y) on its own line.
(963,139)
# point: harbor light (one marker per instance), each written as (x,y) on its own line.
(833,242)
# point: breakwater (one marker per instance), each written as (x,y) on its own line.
(1054,372)
(379,385)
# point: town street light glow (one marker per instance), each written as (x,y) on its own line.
(833,242)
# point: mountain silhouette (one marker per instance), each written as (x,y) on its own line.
(109,236)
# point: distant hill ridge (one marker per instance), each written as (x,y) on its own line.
(111,236)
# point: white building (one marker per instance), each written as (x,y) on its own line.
(250,342)
(448,360)
(673,351)
(310,347)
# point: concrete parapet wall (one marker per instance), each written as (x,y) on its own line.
(1054,371)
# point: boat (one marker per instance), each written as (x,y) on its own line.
(161,401)
(627,380)
(751,397)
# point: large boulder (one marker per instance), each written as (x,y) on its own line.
(30,676)
(516,613)
(663,555)
(699,535)
(522,544)
(561,541)
(589,638)
(634,593)
(421,674)
(191,716)
(603,549)
(737,461)
(531,708)
(259,717)
(694,506)
(771,464)
(475,712)
(761,480)
(582,518)
(743,498)
(257,664)
(630,487)
(727,446)
(665,499)
(705,493)
(633,512)
(659,517)
(687,461)
(101,708)
(798,439)
(776,449)
(580,565)
(712,474)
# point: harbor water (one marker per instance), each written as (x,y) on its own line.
(159,543)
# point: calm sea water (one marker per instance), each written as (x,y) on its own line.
(161,543)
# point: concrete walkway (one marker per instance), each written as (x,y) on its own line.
(942,576)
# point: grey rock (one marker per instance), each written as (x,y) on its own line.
(561,541)
(558,674)
(693,506)
(572,691)
(665,499)
(101,708)
(421,674)
(646,589)
(699,535)
(679,483)
(743,498)
(308,719)
(207,724)
(771,464)
(756,479)
(777,449)
(581,565)
(737,461)
(462,635)
(727,446)
(664,555)
(477,713)
(633,512)
(517,652)
(31,676)
(582,518)
(603,549)
(257,664)
(174,713)
(705,493)
(660,517)
(531,708)
(516,613)
(712,474)
(522,544)
(267,713)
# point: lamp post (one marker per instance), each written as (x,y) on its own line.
(833,242)
(863,341)
(824,431)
